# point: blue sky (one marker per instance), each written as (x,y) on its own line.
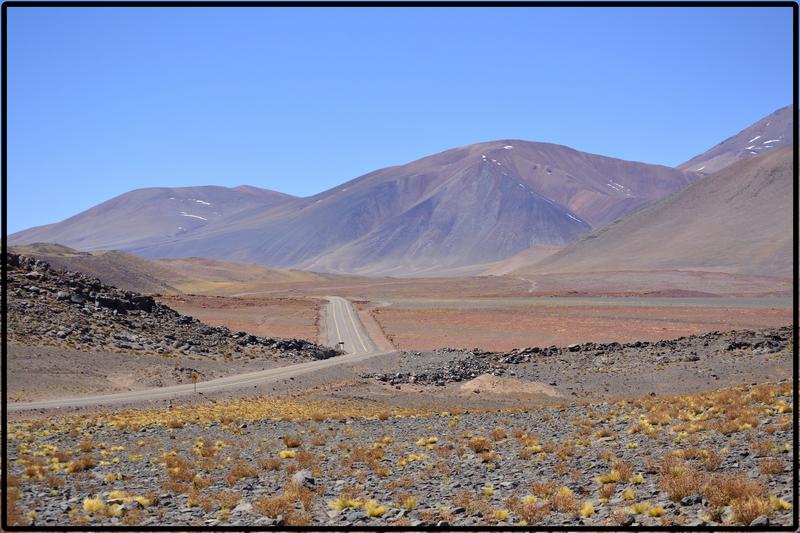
(102,101)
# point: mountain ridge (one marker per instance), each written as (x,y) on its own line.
(458,210)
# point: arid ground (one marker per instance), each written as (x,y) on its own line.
(470,401)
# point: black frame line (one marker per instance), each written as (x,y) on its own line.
(795,526)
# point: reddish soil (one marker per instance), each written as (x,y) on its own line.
(502,329)
(293,318)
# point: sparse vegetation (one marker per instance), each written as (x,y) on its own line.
(687,457)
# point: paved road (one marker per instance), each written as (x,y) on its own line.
(340,314)
(343,325)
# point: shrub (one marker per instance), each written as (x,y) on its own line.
(239,471)
(500,514)
(608,490)
(678,479)
(479,444)
(656,511)
(564,501)
(79,465)
(528,510)
(344,502)
(543,489)
(611,477)
(197,499)
(498,434)
(93,506)
(762,447)
(771,466)
(624,469)
(273,506)
(748,508)
(292,441)
(270,463)
(712,460)
(721,490)
(373,509)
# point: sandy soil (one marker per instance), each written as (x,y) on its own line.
(44,372)
(366,312)
(490,384)
(291,318)
(630,283)
(498,328)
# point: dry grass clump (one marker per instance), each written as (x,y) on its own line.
(620,516)
(374,509)
(407,501)
(488,457)
(12,495)
(84,463)
(678,478)
(240,471)
(543,489)
(624,469)
(771,466)
(498,434)
(479,444)
(472,503)
(292,441)
(563,500)
(273,506)
(270,463)
(344,502)
(721,490)
(712,460)
(748,508)
(762,447)
(608,490)
(198,499)
(529,509)
(612,477)
(740,492)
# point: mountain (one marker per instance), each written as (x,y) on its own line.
(472,205)
(737,221)
(146,216)
(768,134)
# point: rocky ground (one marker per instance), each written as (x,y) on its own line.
(49,307)
(721,457)
(598,370)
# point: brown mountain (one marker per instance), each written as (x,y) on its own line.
(444,213)
(133,273)
(146,216)
(737,221)
(768,134)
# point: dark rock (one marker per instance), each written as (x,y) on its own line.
(694,499)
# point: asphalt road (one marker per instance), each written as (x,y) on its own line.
(343,325)
(340,314)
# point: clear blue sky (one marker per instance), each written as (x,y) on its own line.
(102,101)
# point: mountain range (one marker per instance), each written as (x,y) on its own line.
(736,221)
(456,212)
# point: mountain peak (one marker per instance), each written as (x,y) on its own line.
(768,134)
